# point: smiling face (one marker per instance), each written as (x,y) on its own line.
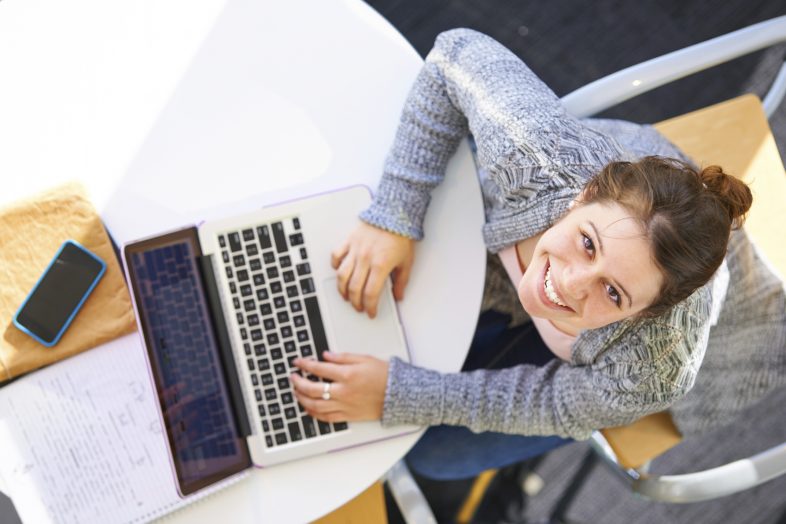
(590,269)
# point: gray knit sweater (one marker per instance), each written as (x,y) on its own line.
(537,158)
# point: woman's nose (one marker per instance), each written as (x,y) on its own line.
(576,280)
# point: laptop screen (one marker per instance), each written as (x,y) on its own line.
(205,442)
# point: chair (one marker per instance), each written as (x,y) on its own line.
(630,449)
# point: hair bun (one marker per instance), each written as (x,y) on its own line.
(732,193)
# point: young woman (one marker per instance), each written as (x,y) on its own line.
(609,242)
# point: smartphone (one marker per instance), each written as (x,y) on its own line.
(59,293)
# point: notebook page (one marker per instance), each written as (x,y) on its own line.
(81,441)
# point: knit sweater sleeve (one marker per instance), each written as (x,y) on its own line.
(469,83)
(621,384)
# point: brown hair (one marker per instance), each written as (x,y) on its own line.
(687,216)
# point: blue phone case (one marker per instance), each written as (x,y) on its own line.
(78,306)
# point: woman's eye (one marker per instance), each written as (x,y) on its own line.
(614,295)
(587,241)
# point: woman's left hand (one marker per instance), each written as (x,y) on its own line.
(356,391)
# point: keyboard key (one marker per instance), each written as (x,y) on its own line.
(271,394)
(234,242)
(254,264)
(253,320)
(286,331)
(289,346)
(254,379)
(222,241)
(270,324)
(295,306)
(236,302)
(232,288)
(308,426)
(283,383)
(240,319)
(274,409)
(263,364)
(306,285)
(239,260)
(256,335)
(324,427)
(275,287)
(252,249)
(246,290)
(225,256)
(286,398)
(278,423)
(272,272)
(279,237)
(296,239)
(280,369)
(288,276)
(303,254)
(268,257)
(259,279)
(248,235)
(299,320)
(264,237)
(279,302)
(282,316)
(244,333)
(284,261)
(266,309)
(247,348)
(290,413)
(249,305)
(317,329)
(281,438)
(258,395)
(242,275)
(275,354)
(265,426)
(303,269)
(272,339)
(250,363)
(306,350)
(259,350)
(261,410)
(228,271)
(296,223)
(266,379)
(294,431)
(292,291)
(340,426)
(269,441)
(262,294)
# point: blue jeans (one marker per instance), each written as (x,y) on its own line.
(454,452)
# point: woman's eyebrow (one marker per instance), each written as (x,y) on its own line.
(600,249)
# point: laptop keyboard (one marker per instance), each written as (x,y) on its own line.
(275,304)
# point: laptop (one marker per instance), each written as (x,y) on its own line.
(224,308)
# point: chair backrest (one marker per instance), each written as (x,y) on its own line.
(735,135)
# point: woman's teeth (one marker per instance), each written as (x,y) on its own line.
(550,293)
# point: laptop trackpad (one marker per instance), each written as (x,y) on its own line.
(354,332)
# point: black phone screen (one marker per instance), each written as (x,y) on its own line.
(60,292)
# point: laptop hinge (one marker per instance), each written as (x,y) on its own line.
(224,345)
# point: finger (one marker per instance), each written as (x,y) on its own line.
(337,255)
(326,370)
(358,283)
(343,358)
(316,406)
(400,280)
(372,290)
(312,389)
(344,274)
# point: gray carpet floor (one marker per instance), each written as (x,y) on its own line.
(569,44)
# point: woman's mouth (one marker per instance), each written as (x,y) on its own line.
(550,292)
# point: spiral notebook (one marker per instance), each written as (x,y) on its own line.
(82,441)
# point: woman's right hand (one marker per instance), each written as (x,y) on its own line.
(366,259)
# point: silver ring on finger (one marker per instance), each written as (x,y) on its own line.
(326,391)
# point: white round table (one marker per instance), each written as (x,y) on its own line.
(173,112)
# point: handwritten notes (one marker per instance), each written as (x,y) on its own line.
(81,441)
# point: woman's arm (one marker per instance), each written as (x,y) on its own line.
(469,82)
